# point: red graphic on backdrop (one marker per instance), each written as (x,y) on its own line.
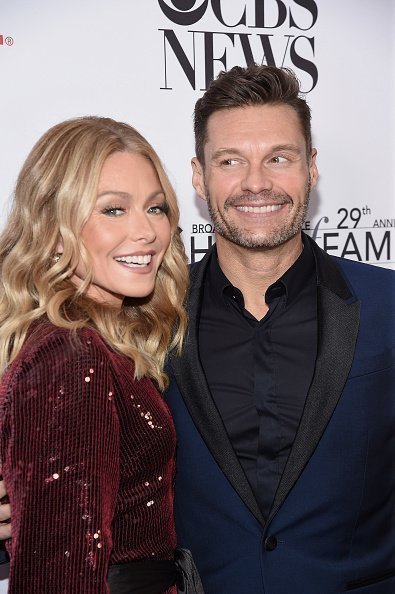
(6,40)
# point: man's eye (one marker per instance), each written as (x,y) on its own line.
(113,211)
(228,162)
(279,159)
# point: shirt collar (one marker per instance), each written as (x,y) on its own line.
(289,284)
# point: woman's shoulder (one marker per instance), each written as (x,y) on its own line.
(47,344)
(51,357)
(45,334)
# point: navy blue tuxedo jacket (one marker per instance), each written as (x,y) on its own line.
(331,528)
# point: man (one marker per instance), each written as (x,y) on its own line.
(284,398)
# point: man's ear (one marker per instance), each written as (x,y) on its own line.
(313,168)
(198,178)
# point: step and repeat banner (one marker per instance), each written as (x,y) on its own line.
(147,62)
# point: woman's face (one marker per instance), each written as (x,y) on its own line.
(128,232)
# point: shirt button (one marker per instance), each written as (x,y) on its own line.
(270,543)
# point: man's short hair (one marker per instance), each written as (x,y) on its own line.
(253,85)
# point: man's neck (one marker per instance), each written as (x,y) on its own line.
(253,270)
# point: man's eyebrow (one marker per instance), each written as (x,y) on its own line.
(225,151)
(286,147)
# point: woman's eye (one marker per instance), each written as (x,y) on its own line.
(113,211)
(159,208)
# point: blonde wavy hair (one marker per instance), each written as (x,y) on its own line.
(54,196)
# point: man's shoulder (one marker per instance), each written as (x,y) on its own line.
(365,271)
(348,266)
(373,286)
(197,269)
(196,266)
(361,277)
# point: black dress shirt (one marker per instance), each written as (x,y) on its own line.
(259,372)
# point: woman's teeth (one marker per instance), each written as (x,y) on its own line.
(135,260)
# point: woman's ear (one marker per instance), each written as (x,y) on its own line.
(59,247)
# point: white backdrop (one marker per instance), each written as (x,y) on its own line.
(147,62)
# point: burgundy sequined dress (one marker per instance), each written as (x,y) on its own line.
(88,456)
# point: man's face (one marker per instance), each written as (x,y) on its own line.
(257,175)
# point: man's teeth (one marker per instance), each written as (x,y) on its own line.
(136,260)
(259,209)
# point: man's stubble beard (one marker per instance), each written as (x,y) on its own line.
(270,239)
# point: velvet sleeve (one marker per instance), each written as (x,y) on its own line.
(60,456)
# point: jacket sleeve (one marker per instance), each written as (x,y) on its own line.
(60,457)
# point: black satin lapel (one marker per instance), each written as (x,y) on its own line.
(338,323)
(193,386)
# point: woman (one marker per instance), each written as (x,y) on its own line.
(93,278)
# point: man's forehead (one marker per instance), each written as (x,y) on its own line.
(253,122)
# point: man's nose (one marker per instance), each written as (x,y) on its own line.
(256,179)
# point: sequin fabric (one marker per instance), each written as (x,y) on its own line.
(88,456)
